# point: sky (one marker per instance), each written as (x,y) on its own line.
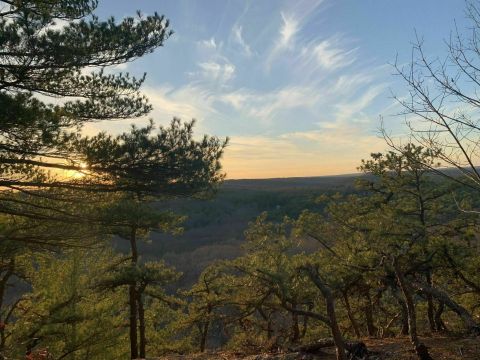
(298,86)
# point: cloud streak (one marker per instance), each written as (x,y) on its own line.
(237,33)
(286,37)
(217,72)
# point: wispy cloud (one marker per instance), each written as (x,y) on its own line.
(293,18)
(188,102)
(213,66)
(348,84)
(217,72)
(285,41)
(287,32)
(354,108)
(330,55)
(208,44)
(238,38)
(265,106)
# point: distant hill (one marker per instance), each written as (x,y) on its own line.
(311,183)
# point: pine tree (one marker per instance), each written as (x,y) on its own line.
(68,63)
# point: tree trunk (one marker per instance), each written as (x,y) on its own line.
(371,328)
(295,329)
(430,307)
(350,315)
(295,336)
(403,311)
(203,336)
(456,269)
(132,292)
(404,318)
(133,322)
(439,324)
(3,286)
(304,327)
(141,325)
(337,335)
(330,304)
(268,322)
(470,324)
(420,349)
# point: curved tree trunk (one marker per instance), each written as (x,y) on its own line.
(403,311)
(330,304)
(356,328)
(420,349)
(267,320)
(439,324)
(467,318)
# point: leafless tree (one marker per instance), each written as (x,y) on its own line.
(442,107)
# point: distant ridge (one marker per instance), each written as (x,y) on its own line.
(311,182)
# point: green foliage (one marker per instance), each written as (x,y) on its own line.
(38,57)
(64,313)
(152,275)
(165,327)
(169,163)
(249,299)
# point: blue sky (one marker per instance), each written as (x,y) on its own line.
(298,86)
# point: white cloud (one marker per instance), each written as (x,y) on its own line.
(348,84)
(208,44)
(238,38)
(286,98)
(349,110)
(264,106)
(287,32)
(321,58)
(213,66)
(214,71)
(289,28)
(328,54)
(188,102)
(330,57)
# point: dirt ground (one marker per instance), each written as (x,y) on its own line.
(440,348)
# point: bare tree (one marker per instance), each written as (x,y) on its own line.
(442,106)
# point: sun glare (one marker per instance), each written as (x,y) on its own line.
(76,174)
